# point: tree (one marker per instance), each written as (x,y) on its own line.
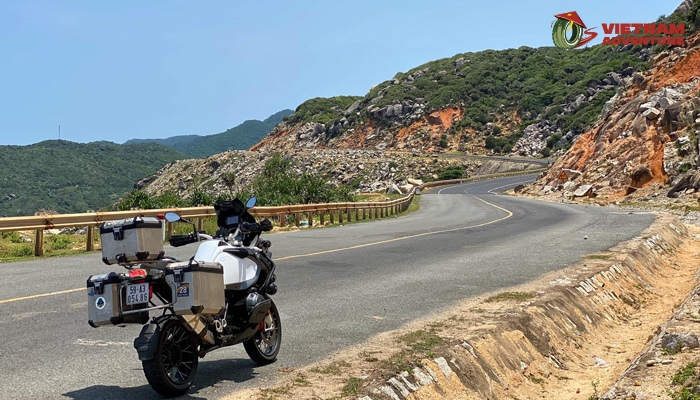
(229,179)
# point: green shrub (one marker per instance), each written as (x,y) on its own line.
(552,140)
(277,185)
(60,242)
(24,250)
(14,237)
(503,144)
(200,196)
(453,172)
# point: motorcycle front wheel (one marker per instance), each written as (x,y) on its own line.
(174,366)
(264,346)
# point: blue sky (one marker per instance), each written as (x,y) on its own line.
(116,70)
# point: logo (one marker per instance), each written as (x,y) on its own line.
(568,33)
(100,303)
(568,30)
(183,290)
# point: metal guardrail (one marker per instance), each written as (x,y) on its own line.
(369,210)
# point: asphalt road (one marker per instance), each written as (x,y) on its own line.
(464,241)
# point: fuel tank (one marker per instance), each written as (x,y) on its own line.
(239,273)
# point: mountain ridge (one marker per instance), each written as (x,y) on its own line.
(240,137)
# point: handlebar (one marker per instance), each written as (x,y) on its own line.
(182,240)
(263,226)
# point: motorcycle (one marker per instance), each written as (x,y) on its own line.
(220,297)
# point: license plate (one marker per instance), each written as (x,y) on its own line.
(137,293)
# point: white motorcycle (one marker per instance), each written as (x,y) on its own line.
(219,298)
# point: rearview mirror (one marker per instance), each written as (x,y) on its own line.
(172,217)
(251,202)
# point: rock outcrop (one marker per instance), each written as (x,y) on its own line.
(647,136)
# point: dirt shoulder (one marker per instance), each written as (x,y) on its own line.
(573,334)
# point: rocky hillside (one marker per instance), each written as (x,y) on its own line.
(520,101)
(646,141)
(363,170)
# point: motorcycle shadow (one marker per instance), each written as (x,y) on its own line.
(210,373)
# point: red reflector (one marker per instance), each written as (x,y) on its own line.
(137,273)
(150,292)
(261,326)
(160,216)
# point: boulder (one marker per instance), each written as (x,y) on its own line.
(641,177)
(569,186)
(376,99)
(406,188)
(690,180)
(647,105)
(352,108)
(675,342)
(415,182)
(685,6)
(671,120)
(651,113)
(627,71)
(572,173)
(393,189)
(319,129)
(666,102)
(617,79)
(638,125)
(584,190)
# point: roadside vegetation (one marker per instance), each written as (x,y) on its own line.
(277,184)
(685,383)
(16,246)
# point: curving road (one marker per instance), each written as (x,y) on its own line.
(338,286)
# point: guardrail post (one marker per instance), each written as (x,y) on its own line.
(90,246)
(340,216)
(39,243)
(322,217)
(169,231)
(311,219)
(332,217)
(200,224)
(283,220)
(296,219)
(364,214)
(357,214)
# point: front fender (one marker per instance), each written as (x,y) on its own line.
(147,342)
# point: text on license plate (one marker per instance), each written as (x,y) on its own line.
(137,293)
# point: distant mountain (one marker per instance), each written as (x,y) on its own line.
(69,177)
(170,142)
(241,137)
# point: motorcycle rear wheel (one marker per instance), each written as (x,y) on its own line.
(173,368)
(264,346)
